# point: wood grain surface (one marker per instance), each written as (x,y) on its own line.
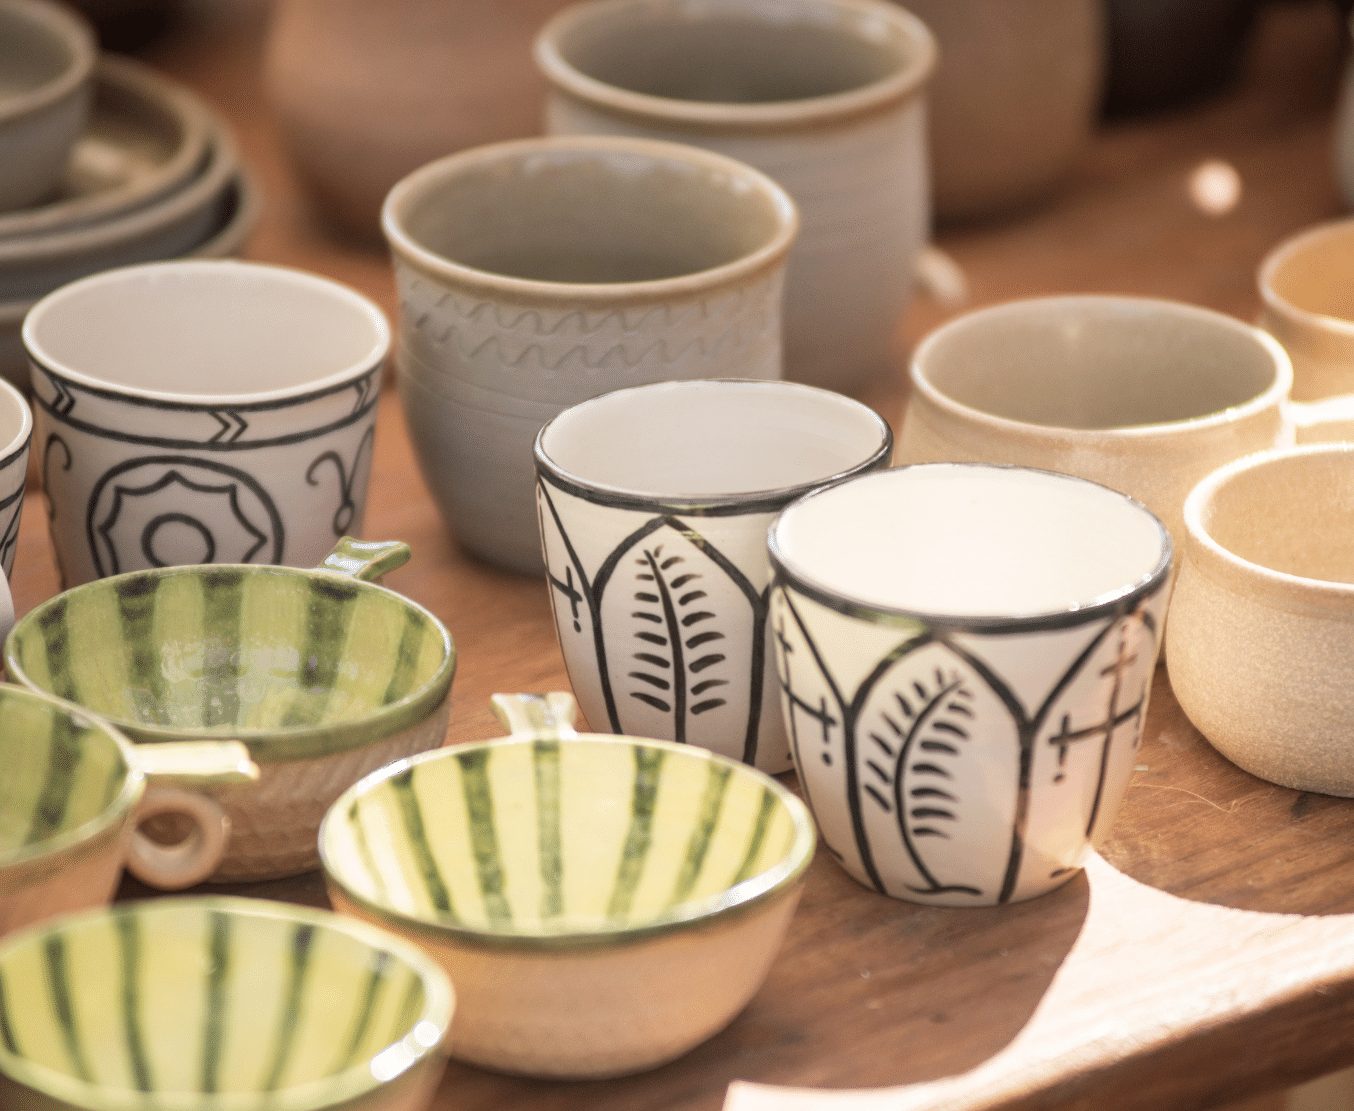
(1208,955)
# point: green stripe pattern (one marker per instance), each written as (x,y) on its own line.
(189,998)
(545,837)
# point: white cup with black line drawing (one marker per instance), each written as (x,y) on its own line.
(654,504)
(203,412)
(965,654)
(16,436)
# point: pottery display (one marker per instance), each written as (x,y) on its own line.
(538,274)
(603,904)
(1014,100)
(965,655)
(1261,635)
(47,59)
(366,93)
(322,674)
(170,432)
(16,435)
(654,504)
(825,96)
(206,1004)
(72,796)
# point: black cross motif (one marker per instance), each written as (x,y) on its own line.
(818,713)
(570,591)
(1114,717)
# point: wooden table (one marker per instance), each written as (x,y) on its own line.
(1208,955)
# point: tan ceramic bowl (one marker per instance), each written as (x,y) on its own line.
(1260,644)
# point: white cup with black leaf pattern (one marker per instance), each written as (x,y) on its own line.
(654,504)
(203,412)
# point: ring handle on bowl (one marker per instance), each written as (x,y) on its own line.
(1321,422)
(537,715)
(368,560)
(178,773)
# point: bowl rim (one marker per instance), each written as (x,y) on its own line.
(352,1083)
(55,23)
(779,879)
(267,744)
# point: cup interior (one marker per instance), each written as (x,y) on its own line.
(37,50)
(232,652)
(207,329)
(712,439)
(541,838)
(1097,362)
(971,541)
(750,51)
(589,214)
(204,999)
(1315,272)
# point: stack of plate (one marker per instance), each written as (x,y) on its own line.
(154,176)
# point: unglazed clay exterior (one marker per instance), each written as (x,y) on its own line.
(854,162)
(1261,635)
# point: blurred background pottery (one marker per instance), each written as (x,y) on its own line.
(128,24)
(1344,133)
(1014,100)
(16,436)
(366,92)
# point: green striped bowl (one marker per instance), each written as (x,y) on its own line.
(555,876)
(217,1005)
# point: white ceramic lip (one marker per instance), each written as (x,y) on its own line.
(11,397)
(855,606)
(206,270)
(1284,254)
(744,501)
(327,1095)
(1273,395)
(428,179)
(60,26)
(806,111)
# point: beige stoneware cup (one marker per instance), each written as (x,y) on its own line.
(537,274)
(1261,636)
(1144,396)
(826,96)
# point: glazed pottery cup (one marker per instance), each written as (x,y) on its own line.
(537,274)
(203,412)
(965,656)
(216,1004)
(324,676)
(1141,395)
(16,436)
(654,504)
(1307,291)
(826,96)
(1261,640)
(72,796)
(47,56)
(603,904)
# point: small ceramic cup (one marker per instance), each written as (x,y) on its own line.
(47,56)
(537,274)
(203,412)
(603,904)
(965,656)
(16,436)
(1142,395)
(654,504)
(217,1004)
(826,96)
(324,675)
(1261,636)
(74,792)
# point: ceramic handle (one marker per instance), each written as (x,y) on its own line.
(368,560)
(1321,422)
(174,770)
(537,715)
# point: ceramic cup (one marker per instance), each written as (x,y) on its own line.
(1142,395)
(73,794)
(216,1005)
(203,412)
(324,675)
(16,436)
(1261,641)
(826,96)
(965,656)
(654,504)
(537,274)
(603,904)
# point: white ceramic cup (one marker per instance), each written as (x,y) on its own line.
(203,412)
(965,654)
(654,504)
(1261,636)
(16,436)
